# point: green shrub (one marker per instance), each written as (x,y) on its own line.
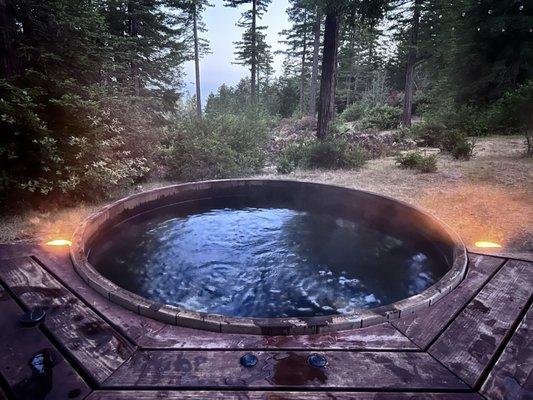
(463,149)
(418,161)
(429,133)
(293,156)
(382,117)
(464,118)
(217,146)
(330,154)
(354,112)
(451,140)
(82,143)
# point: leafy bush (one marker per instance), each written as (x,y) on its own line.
(331,154)
(463,149)
(382,117)
(218,146)
(513,113)
(293,156)
(429,133)
(354,112)
(464,118)
(72,146)
(450,140)
(418,161)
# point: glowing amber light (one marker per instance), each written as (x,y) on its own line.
(59,242)
(487,245)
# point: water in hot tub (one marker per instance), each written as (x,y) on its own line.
(263,262)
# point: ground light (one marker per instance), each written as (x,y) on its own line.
(59,242)
(487,245)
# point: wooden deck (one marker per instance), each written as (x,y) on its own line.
(475,343)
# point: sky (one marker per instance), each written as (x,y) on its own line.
(217,68)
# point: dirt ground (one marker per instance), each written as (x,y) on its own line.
(489,198)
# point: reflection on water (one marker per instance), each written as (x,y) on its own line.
(264,262)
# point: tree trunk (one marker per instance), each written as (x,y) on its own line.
(197,64)
(134,66)
(8,55)
(314,71)
(302,73)
(350,73)
(410,68)
(254,51)
(326,109)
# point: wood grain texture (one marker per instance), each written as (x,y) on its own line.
(97,347)
(377,337)
(30,364)
(128,323)
(472,339)
(18,250)
(512,376)
(208,395)
(425,325)
(347,370)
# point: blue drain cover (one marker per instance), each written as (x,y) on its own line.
(248,360)
(317,360)
(33,317)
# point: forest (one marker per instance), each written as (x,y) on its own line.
(92,98)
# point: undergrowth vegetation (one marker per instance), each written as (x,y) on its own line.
(418,161)
(379,116)
(331,154)
(217,146)
(450,140)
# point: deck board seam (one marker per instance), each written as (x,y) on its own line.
(116,328)
(460,309)
(102,384)
(4,385)
(268,349)
(408,338)
(78,367)
(506,256)
(449,370)
(505,342)
(287,388)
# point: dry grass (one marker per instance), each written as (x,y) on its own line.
(42,226)
(487,198)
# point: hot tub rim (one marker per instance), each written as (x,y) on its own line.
(252,325)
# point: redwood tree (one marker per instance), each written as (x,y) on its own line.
(410,67)
(370,10)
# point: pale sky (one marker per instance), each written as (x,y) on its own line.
(217,68)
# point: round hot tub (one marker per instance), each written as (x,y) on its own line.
(267,256)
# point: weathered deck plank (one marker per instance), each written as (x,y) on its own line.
(512,376)
(30,364)
(90,340)
(208,395)
(128,323)
(16,250)
(425,325)
(377,337)
(472,339)
(347,370)
(474,322)
(149,333)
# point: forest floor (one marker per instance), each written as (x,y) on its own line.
(487,198)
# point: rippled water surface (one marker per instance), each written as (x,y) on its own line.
(263,262)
